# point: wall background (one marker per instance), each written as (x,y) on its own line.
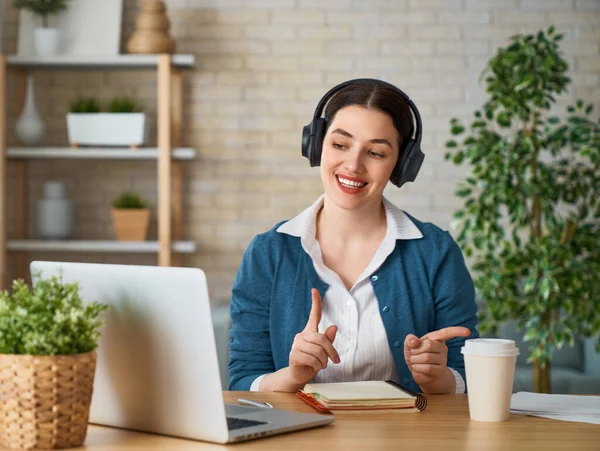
(261,67)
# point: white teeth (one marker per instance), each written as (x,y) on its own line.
(349,183)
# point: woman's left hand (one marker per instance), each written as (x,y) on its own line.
(427,356)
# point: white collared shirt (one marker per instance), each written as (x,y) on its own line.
(361,339)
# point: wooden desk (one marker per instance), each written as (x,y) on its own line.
(444,425)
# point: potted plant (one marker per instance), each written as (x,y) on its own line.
(531,217)
(46,40)
(48,339)
(122,125)
(131,217)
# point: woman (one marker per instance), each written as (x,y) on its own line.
(354,288)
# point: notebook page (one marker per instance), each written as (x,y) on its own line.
(337,391)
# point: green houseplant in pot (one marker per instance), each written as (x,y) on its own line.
(131,217)
(48,338)
(121,124)
(531,217)
(46,39)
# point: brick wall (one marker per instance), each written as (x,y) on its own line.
(262,65)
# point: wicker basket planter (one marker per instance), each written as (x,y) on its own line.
(45,400)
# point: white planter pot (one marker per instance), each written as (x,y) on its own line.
(106,129)
(46,41)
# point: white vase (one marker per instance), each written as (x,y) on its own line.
(30,128)
(46,41)
(54,212)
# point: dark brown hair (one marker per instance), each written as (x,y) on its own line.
(372,95)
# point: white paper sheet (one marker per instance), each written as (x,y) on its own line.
(584,409)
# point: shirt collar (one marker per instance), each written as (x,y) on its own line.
(399,225)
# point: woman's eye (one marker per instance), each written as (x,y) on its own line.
(339,146)
(375,154)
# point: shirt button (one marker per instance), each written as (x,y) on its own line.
(397,344)
(386,309)
(349,302)
(407,380)
(375,278)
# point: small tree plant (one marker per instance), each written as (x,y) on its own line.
(531,217)
(129,199)
(42,8)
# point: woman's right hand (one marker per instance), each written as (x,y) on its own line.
(311,350)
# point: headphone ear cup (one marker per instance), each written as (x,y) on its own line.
(312,141)
(317,141)
(409,165)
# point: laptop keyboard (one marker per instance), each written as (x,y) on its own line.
(238,423)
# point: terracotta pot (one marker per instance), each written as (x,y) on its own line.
(131,224)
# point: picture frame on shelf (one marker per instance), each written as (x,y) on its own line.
(82,33)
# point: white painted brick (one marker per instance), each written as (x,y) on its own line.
(467,18)
(437,94)
(232,47)
(331,63)
(351,17)
(444,63)
(267,123)
(329,4)
(550,5)
(380,4)
(214,123)
(216,4)
(476,32)
(297,78)
(219,93)
(587,64)
(462,48)
(270,63)
(434,32)
(298,17)
(325,32)
(242,78)
(305,47)
(435,4)
(270,4)
(377,63)
(491,4)
(241,108)
(380,32)
(587,5)
(587,32)
(581,48)
(409,18)
(206,31)
(304,109)
(353,48)
(573,18)
(210,62)
(408,48)
(271,32)
(519,17)
(242,16)
(269,93)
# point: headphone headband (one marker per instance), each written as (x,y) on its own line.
(411,156)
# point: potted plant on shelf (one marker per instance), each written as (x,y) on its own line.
(131,217)
(46,40)
(122,125)
(531,218)
(48,339)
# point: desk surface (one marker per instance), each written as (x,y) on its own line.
(445,424)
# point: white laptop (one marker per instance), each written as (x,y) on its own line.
(157,368)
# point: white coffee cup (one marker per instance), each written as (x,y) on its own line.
(490,369)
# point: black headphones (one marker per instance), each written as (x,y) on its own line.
(411,155)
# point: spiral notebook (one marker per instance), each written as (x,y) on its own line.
(362,396)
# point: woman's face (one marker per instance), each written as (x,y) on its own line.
(360,151)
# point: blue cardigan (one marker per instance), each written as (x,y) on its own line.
(422,286)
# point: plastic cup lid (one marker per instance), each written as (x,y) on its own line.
(491,347)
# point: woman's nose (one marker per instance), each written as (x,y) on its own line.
(354,161)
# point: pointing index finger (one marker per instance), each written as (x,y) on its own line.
(315,312)
(447,333)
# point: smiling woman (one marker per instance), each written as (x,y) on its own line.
(353,280)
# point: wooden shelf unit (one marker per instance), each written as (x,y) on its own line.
(169,154)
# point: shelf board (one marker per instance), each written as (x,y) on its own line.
(97,153)
(124,61)
(183,247)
